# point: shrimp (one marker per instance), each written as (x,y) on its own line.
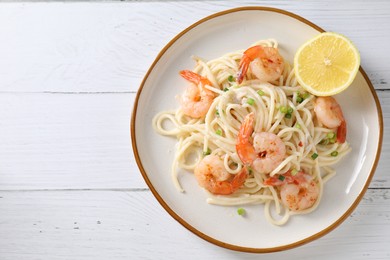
(329,113)
(212,175)
(265,153)
(196,100)
(265,63)
(298,192)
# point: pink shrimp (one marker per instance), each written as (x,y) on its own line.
(298,192)
(265,63)
(212,175)
(329,113)
(265,153)
(197,99)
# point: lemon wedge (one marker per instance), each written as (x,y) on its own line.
(326,64)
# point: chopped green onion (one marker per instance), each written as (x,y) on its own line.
(241,211)
(216,112)
(260,92)
(294,172)
(250,101)
(324,141)
(286,110)
(333,140)
(283,109)
(288,115)
(306,95)
(301,97)
(334,153)
(218,132)
(207,152)
(298,126)
(281,177)
(231,78)
(330,135)
(314,156)
(225,89)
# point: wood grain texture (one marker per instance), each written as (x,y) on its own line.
(69,184)
(67,141)
(131,225)
(111,47)
(82,141)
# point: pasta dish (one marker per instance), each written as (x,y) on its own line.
(251,135)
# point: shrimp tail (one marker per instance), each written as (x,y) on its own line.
(194,77)
(190,76)
(243,68)
(240,178)
(227,188)
(273,181)
(342,132)
(249,55)
(280,179)
(245,149)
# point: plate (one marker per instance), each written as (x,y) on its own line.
(209,38)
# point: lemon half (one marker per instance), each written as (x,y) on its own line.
(326,64)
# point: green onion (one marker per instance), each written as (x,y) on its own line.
(298,126)
(301,97)
(250,101)
(225,89)
(283,109)
(207,152)
(330,135)
(260,92)
(218,132)
(334,153)
(290,110)
(333,140)
(306,95)
(294,172)
(231,78)
(314,156)
(288,115)
(324,141)
(241,211)
(281,177)
(217,112)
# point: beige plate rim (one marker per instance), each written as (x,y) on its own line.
(187,225)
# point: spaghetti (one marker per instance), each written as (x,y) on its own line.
(279,107)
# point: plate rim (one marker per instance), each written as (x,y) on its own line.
(185,223)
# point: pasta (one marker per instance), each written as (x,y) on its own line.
(279,107)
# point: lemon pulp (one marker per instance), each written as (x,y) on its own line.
(326,64)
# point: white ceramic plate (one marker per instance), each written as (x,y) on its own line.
(210,38)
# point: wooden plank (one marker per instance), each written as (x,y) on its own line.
(115,43)
(74,189)
(67,141)
(82,141)
(131,225)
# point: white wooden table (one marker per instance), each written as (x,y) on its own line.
(69,184)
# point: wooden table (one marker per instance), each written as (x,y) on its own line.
(69,184)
